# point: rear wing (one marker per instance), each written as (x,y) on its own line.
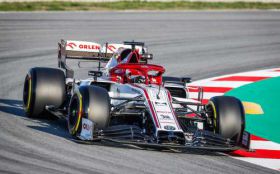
(79,50)
(83,50)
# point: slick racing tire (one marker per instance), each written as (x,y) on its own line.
(228,117)
(90,102)
(43,86)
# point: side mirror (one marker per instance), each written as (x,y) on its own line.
(187,79)
(147,56)
(95,73)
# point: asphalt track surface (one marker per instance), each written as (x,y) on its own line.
(197,44)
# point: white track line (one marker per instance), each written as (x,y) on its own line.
(260,74)
(266,162)
(230,84)
(269,145)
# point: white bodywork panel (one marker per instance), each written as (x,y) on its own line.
(163,108)
(157,101)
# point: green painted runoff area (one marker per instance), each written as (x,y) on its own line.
(267,94)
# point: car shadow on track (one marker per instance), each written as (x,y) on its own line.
(47,123)
(52,125)
(12,106)
(171,151)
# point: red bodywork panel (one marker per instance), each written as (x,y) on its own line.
(119,73)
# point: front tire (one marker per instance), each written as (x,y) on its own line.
(89,102)
(228,117)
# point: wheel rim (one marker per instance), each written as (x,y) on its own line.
(27,93)
(74,115)
(212,113)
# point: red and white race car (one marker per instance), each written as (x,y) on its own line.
(129,101)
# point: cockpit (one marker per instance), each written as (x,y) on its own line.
(122,55)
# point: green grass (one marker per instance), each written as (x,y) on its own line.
(132,5)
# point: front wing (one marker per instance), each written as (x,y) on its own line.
(132,136)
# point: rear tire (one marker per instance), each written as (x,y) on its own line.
(228,117)
(91,102)
(43,86)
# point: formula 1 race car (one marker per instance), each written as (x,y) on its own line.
(129,101)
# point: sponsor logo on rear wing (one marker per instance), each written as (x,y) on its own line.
(82,46)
